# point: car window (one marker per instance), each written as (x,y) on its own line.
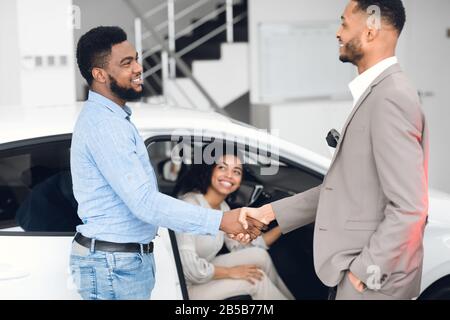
(171,159)
(36,187)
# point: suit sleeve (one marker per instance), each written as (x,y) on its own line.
(297,211)
(397,133)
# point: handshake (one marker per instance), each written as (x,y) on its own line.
(246,224)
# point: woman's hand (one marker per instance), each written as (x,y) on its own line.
(251,273)
(240,238)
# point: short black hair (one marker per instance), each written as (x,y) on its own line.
(392,11)
(94,48)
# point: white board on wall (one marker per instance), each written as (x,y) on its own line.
(301,61)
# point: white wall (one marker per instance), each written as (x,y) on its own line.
(291,11)
(423,51)
(36,29)
(44,31)
(269,11)
(304,122)
(9,51)
(309,122)
(427,63)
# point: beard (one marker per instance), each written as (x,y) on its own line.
(353,52)
(127,94)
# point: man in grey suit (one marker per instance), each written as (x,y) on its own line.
(371,209)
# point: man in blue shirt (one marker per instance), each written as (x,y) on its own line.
(115,185)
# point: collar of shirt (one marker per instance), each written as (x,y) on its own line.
(360,84)
(124,112)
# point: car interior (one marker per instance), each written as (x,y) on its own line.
(292,253)
(37,189)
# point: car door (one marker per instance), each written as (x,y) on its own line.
(257,189)
(38,217)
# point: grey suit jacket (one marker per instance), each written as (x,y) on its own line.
(371,209)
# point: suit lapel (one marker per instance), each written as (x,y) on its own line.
(349,119)
(389,71)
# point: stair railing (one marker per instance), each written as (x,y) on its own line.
(170,58)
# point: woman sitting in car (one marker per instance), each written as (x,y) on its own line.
(247,269)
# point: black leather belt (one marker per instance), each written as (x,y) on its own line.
(113,246)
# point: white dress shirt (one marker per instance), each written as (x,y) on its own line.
(360,84)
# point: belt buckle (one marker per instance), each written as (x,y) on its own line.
(144,248)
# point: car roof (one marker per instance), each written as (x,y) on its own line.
(22,123)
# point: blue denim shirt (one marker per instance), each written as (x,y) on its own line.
(115,185)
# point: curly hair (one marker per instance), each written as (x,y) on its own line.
(94,49)
(198,177)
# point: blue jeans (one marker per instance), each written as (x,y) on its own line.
(104,275)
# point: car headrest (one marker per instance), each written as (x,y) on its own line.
(34,175)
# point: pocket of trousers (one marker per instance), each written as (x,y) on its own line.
(127,262)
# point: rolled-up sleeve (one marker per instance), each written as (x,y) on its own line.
(113,149)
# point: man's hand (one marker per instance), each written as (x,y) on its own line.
(263,214)
(231,225)
(356,283)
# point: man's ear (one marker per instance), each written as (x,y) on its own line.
(372,34)
(99,74)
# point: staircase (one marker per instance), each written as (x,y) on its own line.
(225,78)
(218,65)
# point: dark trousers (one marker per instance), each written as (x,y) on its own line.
(332,293)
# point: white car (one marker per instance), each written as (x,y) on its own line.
(38,211)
